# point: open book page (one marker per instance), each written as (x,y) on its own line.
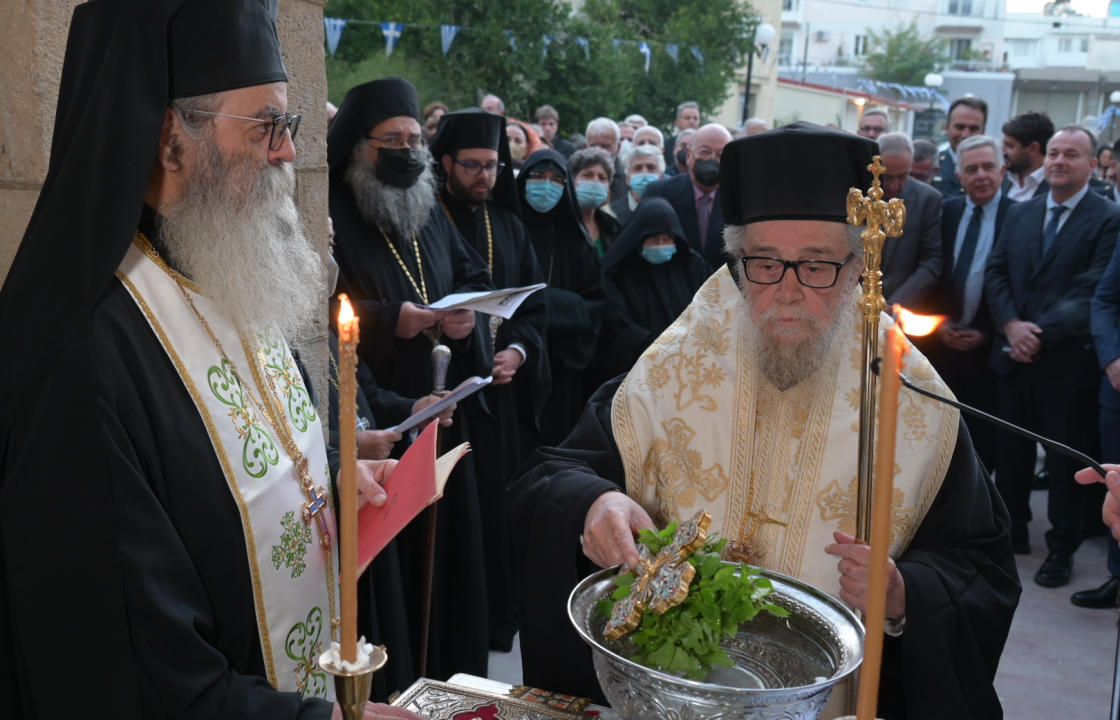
(463,390)
(416,482)
(503,303)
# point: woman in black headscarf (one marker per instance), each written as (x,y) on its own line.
(574,295)
(650,274)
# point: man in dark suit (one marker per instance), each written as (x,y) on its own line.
(960,346)
(968,116)
(1105,323)
(1043,271)
(911,263)
(695,194)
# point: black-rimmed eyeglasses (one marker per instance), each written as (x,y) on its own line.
(280,122)
(817,274)
(474,168)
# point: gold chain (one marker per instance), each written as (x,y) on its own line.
(422,288)
(489,231)
(274,415)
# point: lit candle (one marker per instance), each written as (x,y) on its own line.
(348,480)
(883,491)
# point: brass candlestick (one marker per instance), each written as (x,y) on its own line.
(352,685)
(882,219)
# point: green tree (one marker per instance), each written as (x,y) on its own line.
(902,55)
(612,81)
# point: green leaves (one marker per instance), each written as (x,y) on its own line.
(685,640)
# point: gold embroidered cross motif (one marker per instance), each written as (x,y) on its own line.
(745,548)
(664,580)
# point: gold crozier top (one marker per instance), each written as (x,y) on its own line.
(882,219)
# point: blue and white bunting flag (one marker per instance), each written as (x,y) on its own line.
(586,45)
(392,33)
(546,40)
(674,51)
(447,35)
(696,54)
(643,48)
(333,28)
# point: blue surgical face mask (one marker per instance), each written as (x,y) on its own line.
(591,193)
(542,195)
(641,181)
(658,254)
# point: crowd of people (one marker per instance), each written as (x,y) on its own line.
(691,349)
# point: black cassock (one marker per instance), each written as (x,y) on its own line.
(644,299)
(961,583)
(185,582)
(370,273)
(496,427)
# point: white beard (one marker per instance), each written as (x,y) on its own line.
(398,211)
(785,363)
(237,234)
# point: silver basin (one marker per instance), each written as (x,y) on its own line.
(784,669)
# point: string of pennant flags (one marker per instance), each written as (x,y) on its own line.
(391,32)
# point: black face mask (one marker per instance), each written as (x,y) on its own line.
(706,172)
(399,167)
(682,157)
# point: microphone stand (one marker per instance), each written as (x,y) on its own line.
(1114,711)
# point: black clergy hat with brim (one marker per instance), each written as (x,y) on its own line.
(366,106)
(218,45)
(797,172)
(477,128)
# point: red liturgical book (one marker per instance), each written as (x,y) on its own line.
(415,483)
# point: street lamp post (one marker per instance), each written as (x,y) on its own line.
(763,36)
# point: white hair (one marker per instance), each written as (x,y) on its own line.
(636,120)
(648,129)
(971,143)
(756,122)
(651,151)
(893,144)
(604,125)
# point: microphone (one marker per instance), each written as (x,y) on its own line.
(1000,422)
(441,358)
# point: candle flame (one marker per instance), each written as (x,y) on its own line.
(345,312)
(916,325)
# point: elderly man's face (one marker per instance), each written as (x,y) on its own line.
(235,137)
(789,313)
(922,170)
(980,172)
(647,136)
(604,140)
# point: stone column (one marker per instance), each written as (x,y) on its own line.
(32,48)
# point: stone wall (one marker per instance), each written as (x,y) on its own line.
(32,48)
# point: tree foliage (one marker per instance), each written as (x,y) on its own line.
(902,55)
(613,82)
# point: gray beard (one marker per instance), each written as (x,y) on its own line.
(785,365)
(397,211)
(236,233)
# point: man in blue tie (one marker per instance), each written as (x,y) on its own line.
(1046,264)
(969,224)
